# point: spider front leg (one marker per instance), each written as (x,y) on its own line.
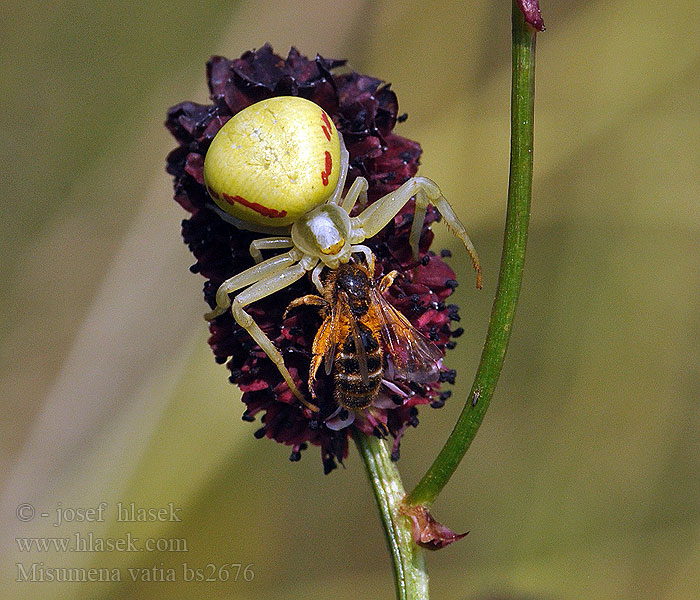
(248,277)
(344,165)
(255,292)
(357,191)
(374,218)
(270,243)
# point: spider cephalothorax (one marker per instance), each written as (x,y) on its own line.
(279,167)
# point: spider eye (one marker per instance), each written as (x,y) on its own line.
(273,162)
(333,248)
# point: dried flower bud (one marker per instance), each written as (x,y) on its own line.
(427,532)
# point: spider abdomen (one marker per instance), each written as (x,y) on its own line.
(273,162)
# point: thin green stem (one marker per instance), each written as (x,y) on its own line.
(510,276)
(407,558)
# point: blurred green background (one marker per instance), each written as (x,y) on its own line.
(583,481)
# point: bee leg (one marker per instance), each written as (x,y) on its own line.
(320,341)
(309,300)
(255,292)
(313,369)
(380,428)
(387,281)
(322,348)
(271,243)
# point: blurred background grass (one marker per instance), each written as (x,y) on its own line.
(583,481)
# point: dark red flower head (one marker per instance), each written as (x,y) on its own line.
(365,111)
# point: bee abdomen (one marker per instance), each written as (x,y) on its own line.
(350,364)
(350,390)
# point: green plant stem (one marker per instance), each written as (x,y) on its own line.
(510,276)
(407,558)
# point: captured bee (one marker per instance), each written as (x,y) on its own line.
(362,331)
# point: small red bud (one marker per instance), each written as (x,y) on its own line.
(533,15)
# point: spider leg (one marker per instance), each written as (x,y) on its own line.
(271,243)
(358,190)
(373,219)
(429,193)
(261,289)
(369,257)
(316,277)
(344,165)
(265,269)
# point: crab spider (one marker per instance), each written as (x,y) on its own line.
(262,172)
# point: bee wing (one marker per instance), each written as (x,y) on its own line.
(415,357)
(360,351)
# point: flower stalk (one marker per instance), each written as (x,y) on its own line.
(510,276)
(407,558)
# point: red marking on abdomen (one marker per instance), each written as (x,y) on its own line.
(213,194)
(329,167)
(327,127)
(258,208)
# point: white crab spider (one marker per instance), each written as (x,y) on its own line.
(272,168)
